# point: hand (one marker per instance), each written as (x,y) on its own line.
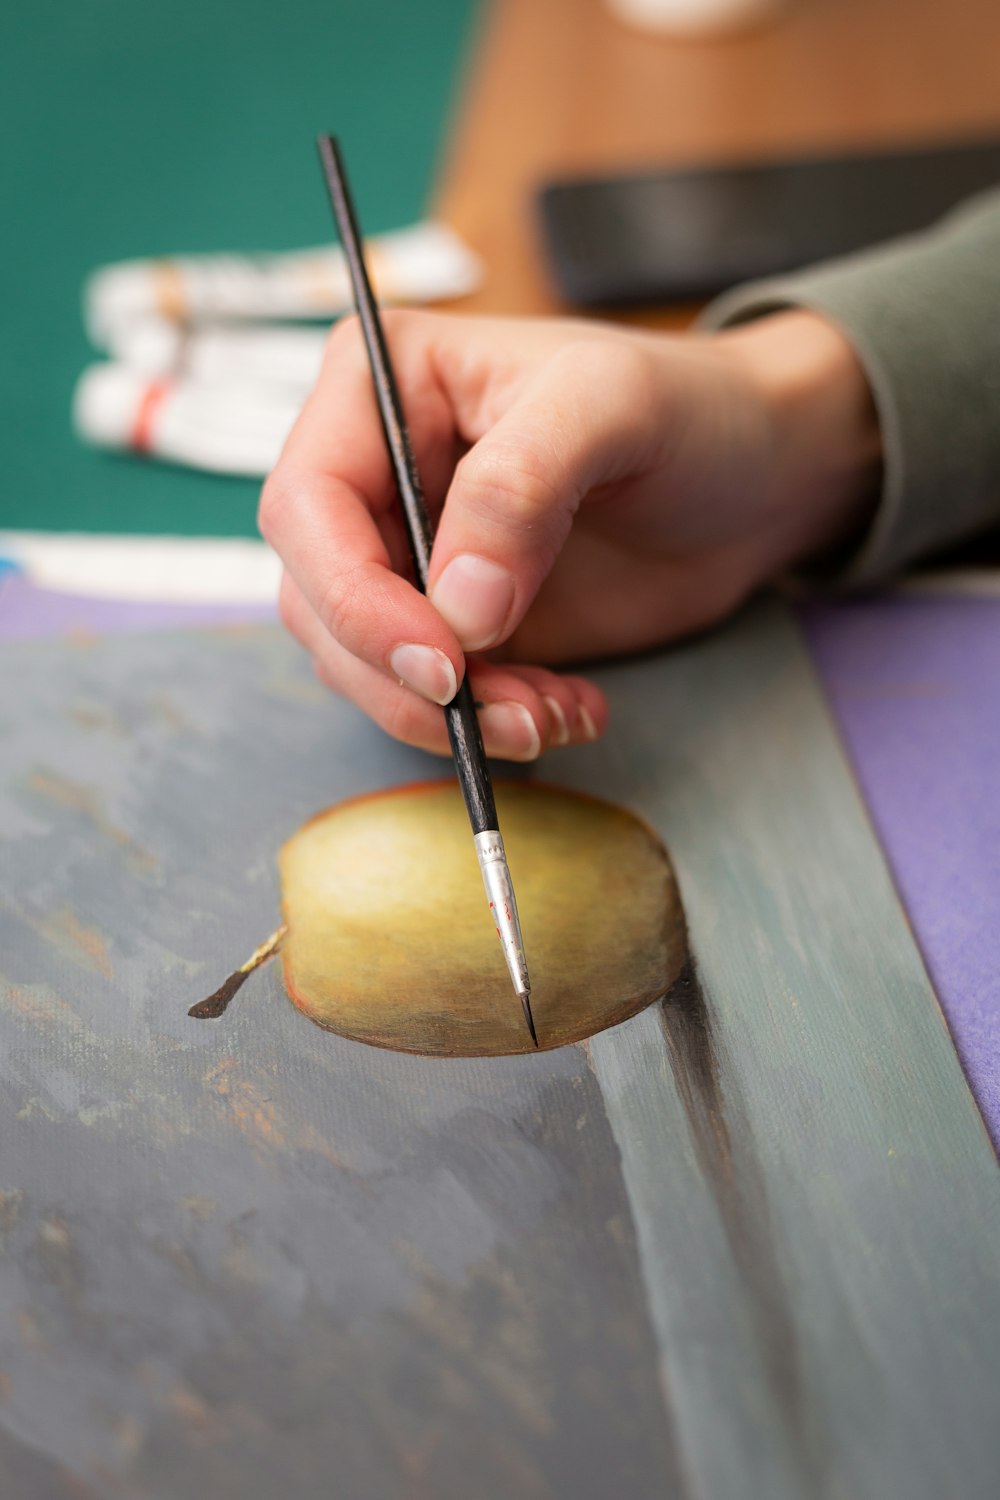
(596,491)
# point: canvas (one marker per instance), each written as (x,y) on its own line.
(742,1243)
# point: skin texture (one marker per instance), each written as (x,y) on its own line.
(596,491)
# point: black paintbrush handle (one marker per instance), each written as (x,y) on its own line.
(460,713)
(470,760)
(390,407)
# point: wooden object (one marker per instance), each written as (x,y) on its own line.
(563,87)
(388,940)
(744,1244)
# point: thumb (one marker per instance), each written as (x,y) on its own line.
(585,420)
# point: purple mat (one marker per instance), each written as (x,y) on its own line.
(913,684)
(26,610)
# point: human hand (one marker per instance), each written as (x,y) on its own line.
(596,491)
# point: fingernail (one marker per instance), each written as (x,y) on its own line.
(475,597)
(560,729)
(509,731)
(586,723)
(426,670)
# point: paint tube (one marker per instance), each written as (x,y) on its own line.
(425,263)
(147,569)
(214,353)
(237,428)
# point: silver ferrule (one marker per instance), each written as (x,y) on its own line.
(503,907)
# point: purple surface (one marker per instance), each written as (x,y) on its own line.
(913,682)
(26,610)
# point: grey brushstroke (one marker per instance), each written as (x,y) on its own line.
(816,1200)
(250,1257)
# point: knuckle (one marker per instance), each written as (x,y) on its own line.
(511,484)
(638,376)
(276,501)
(335,606)
(338,604)
(624,365)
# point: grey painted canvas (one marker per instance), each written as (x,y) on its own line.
(743,1245)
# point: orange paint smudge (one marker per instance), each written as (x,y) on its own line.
(71,794)
(41,1008)
(64,930)
(259,1118)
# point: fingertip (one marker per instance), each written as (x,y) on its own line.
(474,596)
(525,711)
(588,728)
(510,731)
(426,670)
(560,734)
(591,711)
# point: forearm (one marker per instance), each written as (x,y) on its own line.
(920,315)
(826,437)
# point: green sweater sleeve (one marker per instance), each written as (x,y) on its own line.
(923,315)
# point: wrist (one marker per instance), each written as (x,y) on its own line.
(826,448)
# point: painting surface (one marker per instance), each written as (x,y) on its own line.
(744,1243)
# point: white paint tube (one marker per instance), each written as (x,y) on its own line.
(236,428)
(168,569)
(425,263)
(214,353)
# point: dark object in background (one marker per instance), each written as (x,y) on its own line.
(675,235)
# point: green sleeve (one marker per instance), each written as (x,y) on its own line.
(923,315)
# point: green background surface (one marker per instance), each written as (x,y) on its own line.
(139,130)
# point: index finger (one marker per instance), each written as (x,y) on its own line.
(320,510)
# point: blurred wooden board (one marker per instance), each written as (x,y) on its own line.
(745,1244)
(563,87)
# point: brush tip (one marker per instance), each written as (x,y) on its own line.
(526,1007)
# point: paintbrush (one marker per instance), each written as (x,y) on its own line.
(460,714)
